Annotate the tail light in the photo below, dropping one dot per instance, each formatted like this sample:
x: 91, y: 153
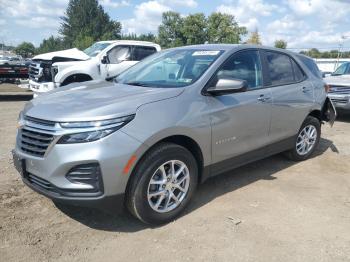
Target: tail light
x: 326, y: 88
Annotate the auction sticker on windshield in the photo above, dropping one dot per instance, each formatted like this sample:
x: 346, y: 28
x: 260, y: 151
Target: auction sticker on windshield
x: 200, y: 53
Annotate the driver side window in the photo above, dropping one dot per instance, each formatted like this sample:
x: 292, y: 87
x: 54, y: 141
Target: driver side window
x: 245, y: 65
x: 119, y: 54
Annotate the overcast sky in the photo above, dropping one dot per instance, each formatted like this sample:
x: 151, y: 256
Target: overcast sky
x: 302, y: 23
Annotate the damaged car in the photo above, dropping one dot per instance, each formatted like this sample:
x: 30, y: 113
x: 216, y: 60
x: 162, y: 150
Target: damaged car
x: 101, y: 60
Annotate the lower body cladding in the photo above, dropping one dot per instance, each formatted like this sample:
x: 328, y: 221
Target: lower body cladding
x: 340, y: 101
x: 85, y: 174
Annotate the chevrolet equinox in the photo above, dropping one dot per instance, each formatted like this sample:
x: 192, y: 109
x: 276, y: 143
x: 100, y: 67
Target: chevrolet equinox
x: 149, y: 136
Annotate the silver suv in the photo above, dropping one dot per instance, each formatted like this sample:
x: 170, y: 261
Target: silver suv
x: 147, y: 138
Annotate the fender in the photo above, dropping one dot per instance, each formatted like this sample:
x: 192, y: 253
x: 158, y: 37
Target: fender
x: 82, y: 67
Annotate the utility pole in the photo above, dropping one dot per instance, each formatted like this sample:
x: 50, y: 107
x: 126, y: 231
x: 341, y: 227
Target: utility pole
x: 3, y: 46
x: 343, y: 37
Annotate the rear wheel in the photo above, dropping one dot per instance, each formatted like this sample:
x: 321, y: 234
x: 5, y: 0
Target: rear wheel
x: 162, y: 184
x: 307, y: 140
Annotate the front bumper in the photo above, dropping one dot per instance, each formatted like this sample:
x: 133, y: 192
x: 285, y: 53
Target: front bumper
x: 47, y: 175
x: 341, y: 101
x: 39, y: 88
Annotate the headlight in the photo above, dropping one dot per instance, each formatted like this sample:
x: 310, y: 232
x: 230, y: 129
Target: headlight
x: 95, y: 130
x: 101, y: 123
x: 85, y: 137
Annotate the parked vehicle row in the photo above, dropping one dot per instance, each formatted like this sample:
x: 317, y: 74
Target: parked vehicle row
x: 102, y: 60
x: 178, y: 117
x: 13, y: 67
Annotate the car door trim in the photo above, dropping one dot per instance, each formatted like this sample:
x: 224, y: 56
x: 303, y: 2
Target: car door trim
x: 246, y: 158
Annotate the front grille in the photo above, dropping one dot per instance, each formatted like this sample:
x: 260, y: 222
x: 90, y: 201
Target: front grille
x: 35, y: 142
x: 39, y: 121
x: 340, y: 100
x: 40, y: 71
x: 40, y: 182
x: 339, y: 89
x: 35, y: 71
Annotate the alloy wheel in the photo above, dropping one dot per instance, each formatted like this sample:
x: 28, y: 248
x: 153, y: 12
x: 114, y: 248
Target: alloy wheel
x: 306, y: 140
x: 168, y: 186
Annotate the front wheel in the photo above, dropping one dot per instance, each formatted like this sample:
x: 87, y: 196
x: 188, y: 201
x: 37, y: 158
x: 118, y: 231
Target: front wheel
x: 162, y: 184
x: 307, y: 140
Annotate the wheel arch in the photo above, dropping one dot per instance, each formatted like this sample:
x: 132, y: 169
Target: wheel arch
x: 316, y: 113
x: 75, y: 78
x: 185, y: 141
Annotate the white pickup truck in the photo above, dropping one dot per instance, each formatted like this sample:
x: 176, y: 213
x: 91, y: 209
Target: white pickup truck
x: 100, y: 61
x: 339, y: 87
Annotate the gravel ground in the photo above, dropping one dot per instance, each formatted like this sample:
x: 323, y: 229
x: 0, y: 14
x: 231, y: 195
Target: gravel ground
x: 271, y: 210
x: 5, y: 87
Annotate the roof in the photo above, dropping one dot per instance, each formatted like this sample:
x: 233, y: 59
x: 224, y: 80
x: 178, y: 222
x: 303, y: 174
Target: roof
x: 227, y: 47
x: 129, y: 42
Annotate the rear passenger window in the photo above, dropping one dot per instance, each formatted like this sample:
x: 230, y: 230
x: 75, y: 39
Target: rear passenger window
x: 298, y: 73
x: 280, y: 68
x: 311, y: 65
x: 140, y: 52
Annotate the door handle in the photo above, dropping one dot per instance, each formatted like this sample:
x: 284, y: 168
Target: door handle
x: 263, y: 98
x: 305, y: 89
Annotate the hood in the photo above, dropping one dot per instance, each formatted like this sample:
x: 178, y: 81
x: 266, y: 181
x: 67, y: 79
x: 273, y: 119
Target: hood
x: 342, y: 80
x: 73, y: 53
x: 94, y: 100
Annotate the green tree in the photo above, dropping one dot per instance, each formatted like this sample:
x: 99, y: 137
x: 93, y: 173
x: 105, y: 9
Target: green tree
x: 25, y: 49
x: 254, y: 38
x: 222, y: 28
x: 170, y: 32
x: 142, y: 37
x: 85, y: 20
x: 315, y: 53
x: 50, y: 45
x: 281, y: 44
x: 83, y: 41
x: 195, y: 29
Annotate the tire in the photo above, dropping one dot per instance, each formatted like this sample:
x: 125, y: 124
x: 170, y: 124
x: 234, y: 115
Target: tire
x: 148, y: 179
x: 302, y: 150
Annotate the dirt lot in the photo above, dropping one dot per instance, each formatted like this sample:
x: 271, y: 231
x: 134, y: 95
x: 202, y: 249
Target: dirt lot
x: 272, y: 210
x: 12, y: 88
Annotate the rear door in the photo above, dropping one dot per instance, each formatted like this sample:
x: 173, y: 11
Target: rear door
x: 292, y: 94
x: 140, y: 52
x: 240, y: 121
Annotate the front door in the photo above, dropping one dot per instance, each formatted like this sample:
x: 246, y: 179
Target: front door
x: 240, y: 121
x: 119, y: 59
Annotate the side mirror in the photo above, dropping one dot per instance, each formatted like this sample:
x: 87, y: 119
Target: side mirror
x: 104, y: 60
x: 228, y: 86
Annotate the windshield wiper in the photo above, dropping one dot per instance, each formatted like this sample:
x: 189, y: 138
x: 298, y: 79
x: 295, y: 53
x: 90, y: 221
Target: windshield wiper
x: 137, y: 84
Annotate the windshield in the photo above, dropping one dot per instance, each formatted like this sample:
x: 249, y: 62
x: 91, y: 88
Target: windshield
x: 342, y: 70
x: 95, y: 49
x: 172, y: 68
